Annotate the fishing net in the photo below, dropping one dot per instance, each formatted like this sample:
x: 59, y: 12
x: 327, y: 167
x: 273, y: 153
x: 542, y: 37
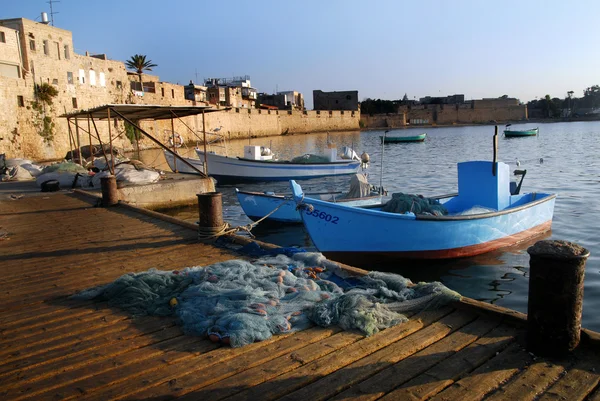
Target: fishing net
x: 417, y: 204
x: 66, y: 167
x: 237, y: 302
x: 309, y: 158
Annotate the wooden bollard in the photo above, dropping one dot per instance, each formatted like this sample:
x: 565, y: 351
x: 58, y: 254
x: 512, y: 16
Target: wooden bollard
x: 110, y: 195
x: 555, y: 301
x: 210, y: 213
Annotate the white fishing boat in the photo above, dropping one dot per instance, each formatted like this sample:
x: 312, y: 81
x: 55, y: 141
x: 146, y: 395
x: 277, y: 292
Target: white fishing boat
x: 258, y: 164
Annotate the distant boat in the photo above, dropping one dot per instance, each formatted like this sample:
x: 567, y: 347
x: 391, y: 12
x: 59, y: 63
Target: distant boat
x: 395, y: 139
x: 515, y: 133
x: 257, y: 205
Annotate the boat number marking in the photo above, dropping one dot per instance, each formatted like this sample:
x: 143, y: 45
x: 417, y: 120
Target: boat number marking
x: 324, y: 216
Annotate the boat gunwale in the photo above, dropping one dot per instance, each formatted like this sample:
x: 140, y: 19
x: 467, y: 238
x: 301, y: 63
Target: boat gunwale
x: 398, y: 216
x: 286, y: 162
x: 291, y: 197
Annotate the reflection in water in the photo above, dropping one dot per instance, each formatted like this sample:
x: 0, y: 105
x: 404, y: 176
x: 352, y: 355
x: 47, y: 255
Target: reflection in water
x: 570, y: 168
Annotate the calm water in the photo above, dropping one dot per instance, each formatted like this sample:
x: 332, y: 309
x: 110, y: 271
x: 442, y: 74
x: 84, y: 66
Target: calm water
x: 562, y: 159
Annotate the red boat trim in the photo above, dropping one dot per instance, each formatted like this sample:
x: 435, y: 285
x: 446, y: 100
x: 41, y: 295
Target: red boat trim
x: 453, y: 253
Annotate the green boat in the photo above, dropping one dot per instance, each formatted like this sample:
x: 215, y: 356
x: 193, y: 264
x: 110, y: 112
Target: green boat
x: 395, y: 139
x: 527, y: 132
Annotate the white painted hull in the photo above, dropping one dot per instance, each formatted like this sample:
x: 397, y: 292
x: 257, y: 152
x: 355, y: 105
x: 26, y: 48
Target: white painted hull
x: 225, y: 168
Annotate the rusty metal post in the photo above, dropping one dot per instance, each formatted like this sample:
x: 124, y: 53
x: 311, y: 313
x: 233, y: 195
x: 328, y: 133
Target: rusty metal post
x: 110, y: 195
x: 210, y: 213
x: 90, y: 137
x: 78, y: 142
x: 555, y: 300
x: 112, y: 153
x: 174, y: 147
x: 204, y: 140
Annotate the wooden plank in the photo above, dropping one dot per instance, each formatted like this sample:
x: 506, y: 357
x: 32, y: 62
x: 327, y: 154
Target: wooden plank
x: 309, y: 373
x: 579, y: 382
x: 96, y: 345
x: 249, y: 377
x: 52, y: 374
x: 83, y: 381
x: 530, y: 383
x: 61, y: 338
x: 443, y: 374
x: 138, y: 378
x: 288, y: 362
x: 487, y: 377
x: 366, y: 367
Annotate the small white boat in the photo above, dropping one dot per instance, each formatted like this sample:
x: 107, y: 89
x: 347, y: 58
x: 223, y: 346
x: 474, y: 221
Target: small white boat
x: 255, y: 166
x: 257, y: 205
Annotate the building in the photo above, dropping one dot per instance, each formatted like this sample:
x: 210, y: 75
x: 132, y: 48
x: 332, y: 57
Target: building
x: 286, y: 100
x: 347, y: 100
x: 36, y: 56
x: 231, y: 92
x: 195, y: 93
x: 453, y: 99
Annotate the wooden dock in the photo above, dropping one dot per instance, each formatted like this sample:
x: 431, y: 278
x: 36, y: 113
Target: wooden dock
x: 52, y: 348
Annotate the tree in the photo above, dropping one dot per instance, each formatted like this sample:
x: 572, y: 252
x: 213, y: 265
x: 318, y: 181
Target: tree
x: 139, y: 63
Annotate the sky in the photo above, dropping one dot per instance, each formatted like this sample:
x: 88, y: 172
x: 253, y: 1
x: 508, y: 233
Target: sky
x: 384, y: 49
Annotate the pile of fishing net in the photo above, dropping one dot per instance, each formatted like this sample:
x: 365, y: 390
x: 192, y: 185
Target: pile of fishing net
x: 68, y: 175
x: 417, y: 204
x: 18, y: 169
x: 237, y: 302
x: 310, y: 158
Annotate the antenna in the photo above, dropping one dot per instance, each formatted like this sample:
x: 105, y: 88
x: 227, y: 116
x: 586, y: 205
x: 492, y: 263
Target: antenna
x: 51, y: 10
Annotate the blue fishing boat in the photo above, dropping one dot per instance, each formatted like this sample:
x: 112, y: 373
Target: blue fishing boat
x: 483, y: 216
x: 516, y: 133
x: 282, y: 208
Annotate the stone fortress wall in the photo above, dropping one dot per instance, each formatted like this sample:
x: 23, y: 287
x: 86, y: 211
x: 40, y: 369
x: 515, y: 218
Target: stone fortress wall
x: 35, y: 53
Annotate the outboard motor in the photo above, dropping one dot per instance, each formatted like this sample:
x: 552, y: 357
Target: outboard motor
x: 348, y: 154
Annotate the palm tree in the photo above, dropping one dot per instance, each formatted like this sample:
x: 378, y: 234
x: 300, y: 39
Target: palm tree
x: 139, y: 63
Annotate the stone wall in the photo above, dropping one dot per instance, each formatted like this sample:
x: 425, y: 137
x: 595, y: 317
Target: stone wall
x: 87, y: 81
x: 475, y: 112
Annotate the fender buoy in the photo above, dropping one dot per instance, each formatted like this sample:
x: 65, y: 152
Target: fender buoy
x: 176, y: 140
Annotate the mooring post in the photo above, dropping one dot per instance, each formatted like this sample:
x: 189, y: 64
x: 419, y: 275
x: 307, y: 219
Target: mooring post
x: 110, y: 196
x: 210, y: 213
x: 555, y: 301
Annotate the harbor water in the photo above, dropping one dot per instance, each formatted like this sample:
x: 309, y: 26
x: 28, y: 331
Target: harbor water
x: 562, y: 159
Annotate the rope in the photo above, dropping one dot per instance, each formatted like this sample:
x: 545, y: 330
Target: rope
x: 209, y: 233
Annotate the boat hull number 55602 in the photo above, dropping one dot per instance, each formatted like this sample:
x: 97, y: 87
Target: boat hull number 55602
x: 324, y: 216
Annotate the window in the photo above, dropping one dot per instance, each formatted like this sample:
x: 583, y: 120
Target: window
x: 70, y: 78
x: 173, y: 93
x: 57, y: 49
x: 119, y: 85
x: 46, y: 48
x: 55, y: 81
x: 2, y: 37
x: 81, y: 77
x: 32, y: 44
x: 74, y: 100
x: 20, y: 101
x: 67, y: 55
x: 162, y: 91
x: 92, y: 77
x: 102, y: 79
